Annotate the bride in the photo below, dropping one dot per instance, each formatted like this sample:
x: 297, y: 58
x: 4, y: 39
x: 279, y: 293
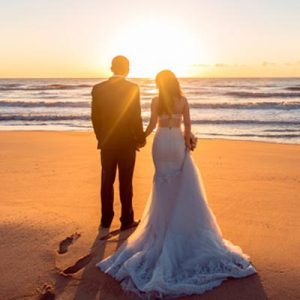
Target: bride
x: 177, y: 249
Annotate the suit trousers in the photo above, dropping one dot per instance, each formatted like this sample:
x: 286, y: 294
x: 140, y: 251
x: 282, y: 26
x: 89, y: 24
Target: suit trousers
x: 124, y: 161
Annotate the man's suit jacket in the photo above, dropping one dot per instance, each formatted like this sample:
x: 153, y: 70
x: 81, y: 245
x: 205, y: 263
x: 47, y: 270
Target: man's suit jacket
x: 116, y: 114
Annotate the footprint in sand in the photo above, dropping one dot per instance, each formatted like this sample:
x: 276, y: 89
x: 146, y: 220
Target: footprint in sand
x: 46, y: 293
x: 64, y: 244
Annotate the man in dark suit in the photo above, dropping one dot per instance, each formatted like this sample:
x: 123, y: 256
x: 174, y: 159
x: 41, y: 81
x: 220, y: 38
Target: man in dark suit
x: 117, y: 122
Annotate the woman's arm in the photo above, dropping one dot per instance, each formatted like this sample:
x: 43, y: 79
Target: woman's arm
x: 187, y: 124
x: 153, y: 119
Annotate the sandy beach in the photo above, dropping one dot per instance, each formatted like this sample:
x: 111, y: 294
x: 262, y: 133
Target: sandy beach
x: 50, y: 190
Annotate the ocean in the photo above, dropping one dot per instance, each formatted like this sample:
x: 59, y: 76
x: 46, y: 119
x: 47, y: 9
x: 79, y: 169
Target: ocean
x: 244, y: 109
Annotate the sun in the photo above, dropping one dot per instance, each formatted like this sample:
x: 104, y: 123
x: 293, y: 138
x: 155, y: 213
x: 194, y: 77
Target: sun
x: 156, y: 45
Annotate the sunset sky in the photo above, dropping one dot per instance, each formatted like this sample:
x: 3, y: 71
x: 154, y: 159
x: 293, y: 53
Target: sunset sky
x: 206, y: 38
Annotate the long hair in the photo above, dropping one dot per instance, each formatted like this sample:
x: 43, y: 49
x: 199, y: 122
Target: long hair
x: 169, y: 91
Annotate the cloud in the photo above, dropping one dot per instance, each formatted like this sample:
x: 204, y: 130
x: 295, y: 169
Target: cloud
x: 221, y: 65
x: 264, y: 64
x: 292, y: 64
x: 201, y: 65
x: 268, y: 64
x: 218, y: 65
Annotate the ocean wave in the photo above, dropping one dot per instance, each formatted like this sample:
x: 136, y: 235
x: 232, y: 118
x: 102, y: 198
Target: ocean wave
x: 10, y: 85
x: 284, y: 105
x: 146, y: 105
x: 240, y: 94
x: 32, y: 117
x: 293, y: 88
x: 271, y: 136
x: 17, y: 87
x: 282, y: 130
x: 234, y: 86
x: 78, y: 104
x: 247, y: 105
x: 247, y: 122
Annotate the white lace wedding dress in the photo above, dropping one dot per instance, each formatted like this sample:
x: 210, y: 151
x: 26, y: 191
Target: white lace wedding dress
x: 177, y: 249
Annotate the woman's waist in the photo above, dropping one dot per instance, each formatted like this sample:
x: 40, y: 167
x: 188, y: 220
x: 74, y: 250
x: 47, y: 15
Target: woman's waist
x: 174, y: 128
x: 169, y: 131
x: 169, y: 123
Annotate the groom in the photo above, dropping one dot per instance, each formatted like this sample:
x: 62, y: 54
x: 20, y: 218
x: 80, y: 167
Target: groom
x: 117, y: 122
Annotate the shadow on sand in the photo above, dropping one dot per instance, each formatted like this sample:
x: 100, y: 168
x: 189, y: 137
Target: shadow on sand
x: 94, y: 284
x: 249, y: 288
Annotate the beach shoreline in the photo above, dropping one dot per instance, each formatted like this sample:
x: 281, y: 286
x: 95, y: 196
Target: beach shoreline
x: 50, y: 190
x: 199, y: 137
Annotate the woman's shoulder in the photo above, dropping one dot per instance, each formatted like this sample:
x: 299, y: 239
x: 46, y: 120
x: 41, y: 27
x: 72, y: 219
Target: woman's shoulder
x: 183, y: 99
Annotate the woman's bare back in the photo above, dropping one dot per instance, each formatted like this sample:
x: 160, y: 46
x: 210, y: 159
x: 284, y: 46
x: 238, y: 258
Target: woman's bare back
x: 175, y: 119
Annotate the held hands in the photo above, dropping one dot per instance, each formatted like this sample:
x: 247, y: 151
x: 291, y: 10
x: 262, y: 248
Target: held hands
x: 190, y: 141
x: 140, y: 145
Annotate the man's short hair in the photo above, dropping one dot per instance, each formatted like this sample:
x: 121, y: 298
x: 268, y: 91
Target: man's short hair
x: 120, y: 65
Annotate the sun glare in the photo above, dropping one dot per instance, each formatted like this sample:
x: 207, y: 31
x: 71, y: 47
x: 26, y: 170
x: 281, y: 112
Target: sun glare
x: 153, y: 46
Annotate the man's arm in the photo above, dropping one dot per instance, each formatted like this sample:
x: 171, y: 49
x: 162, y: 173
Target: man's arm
x: 95, y: 116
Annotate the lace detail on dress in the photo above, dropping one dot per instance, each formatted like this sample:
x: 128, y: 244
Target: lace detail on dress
x: 149, y: 283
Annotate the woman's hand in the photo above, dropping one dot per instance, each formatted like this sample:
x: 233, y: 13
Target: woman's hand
x: 194, y: 141
x: 190, y: 141
x: 140, y: 145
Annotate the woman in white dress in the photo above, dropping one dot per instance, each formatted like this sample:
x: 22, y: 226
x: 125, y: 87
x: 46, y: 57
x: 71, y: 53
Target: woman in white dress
x: 177, y: 249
